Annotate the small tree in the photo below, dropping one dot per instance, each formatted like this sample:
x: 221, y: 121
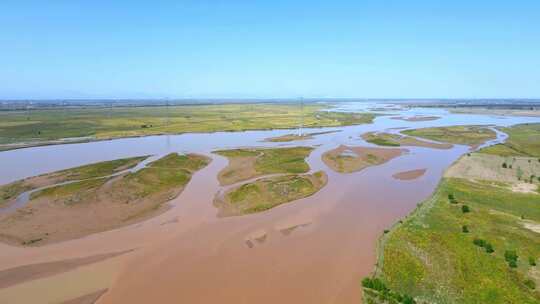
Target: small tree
x: 532, y: 261
x: 511, y: 257
x: 519, y: 173
x: 504, y: 165
x: 465, y: 229
x: 465, y: 209
x: 479, y: 242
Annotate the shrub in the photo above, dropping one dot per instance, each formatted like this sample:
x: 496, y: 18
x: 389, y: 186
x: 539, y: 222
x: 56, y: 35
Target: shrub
x: 386, y: 231
x: 519, y: 173
x: 532, y: 261
x: 384, y: 294
x: 479, y: 242
x: 511, y: 257
x: 504, y: 165
x: 465, y: 209
x: 530, y: 283
x: 465, y: 229
x: 489, y: 248
x: 451, y: 197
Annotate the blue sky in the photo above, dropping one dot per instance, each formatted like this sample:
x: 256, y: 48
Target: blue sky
x: 270, y: 49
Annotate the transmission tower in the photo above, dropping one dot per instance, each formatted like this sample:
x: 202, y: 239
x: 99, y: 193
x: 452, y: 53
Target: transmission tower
x: 301, y: 126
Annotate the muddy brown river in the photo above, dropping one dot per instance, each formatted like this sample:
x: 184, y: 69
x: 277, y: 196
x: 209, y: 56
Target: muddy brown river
x: 313, y: 250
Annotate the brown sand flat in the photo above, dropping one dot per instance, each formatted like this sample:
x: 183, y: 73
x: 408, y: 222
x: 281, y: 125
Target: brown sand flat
x: 347, y: 159
x: 90, y: 298
x: 239, y: 169
x: 409, y: 175
x: 21, y: 274
x: 416, y: 118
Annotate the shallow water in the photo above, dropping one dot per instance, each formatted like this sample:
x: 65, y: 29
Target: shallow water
x: 314, y: 250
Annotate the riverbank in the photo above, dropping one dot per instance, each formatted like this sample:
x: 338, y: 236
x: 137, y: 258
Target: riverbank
x: 477, y: 227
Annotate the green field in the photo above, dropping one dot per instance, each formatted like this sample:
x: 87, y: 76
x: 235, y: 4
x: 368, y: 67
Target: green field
x: 25, y: 128
x: 473, y: 241
x: 462, y: 135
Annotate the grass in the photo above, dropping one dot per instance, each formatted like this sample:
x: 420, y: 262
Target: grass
x: 99, y: 169
x: 40, y: 126
x: 431, y: 258
x: 284, y: 160
x: 441, y: 254
x: 170, y: 172
x: 463, y: 135
x: 267, y: 193
x: 72, y: 193
x: 524, y: 140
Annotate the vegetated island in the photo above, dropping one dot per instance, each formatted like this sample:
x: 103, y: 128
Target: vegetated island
x: 396, y: 140
x: 416, y: 118
x: 249, y: 163
x: 476, y: 240
x: 34, y: 127
x: 295, y: 137
x: 71, y: 210
x: 472, y: 136
x: 284, y: 179
x: 266, y: 193
x: 347, y: 159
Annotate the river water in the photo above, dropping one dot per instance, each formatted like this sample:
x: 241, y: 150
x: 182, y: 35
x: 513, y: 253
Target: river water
x: 314, y: 250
